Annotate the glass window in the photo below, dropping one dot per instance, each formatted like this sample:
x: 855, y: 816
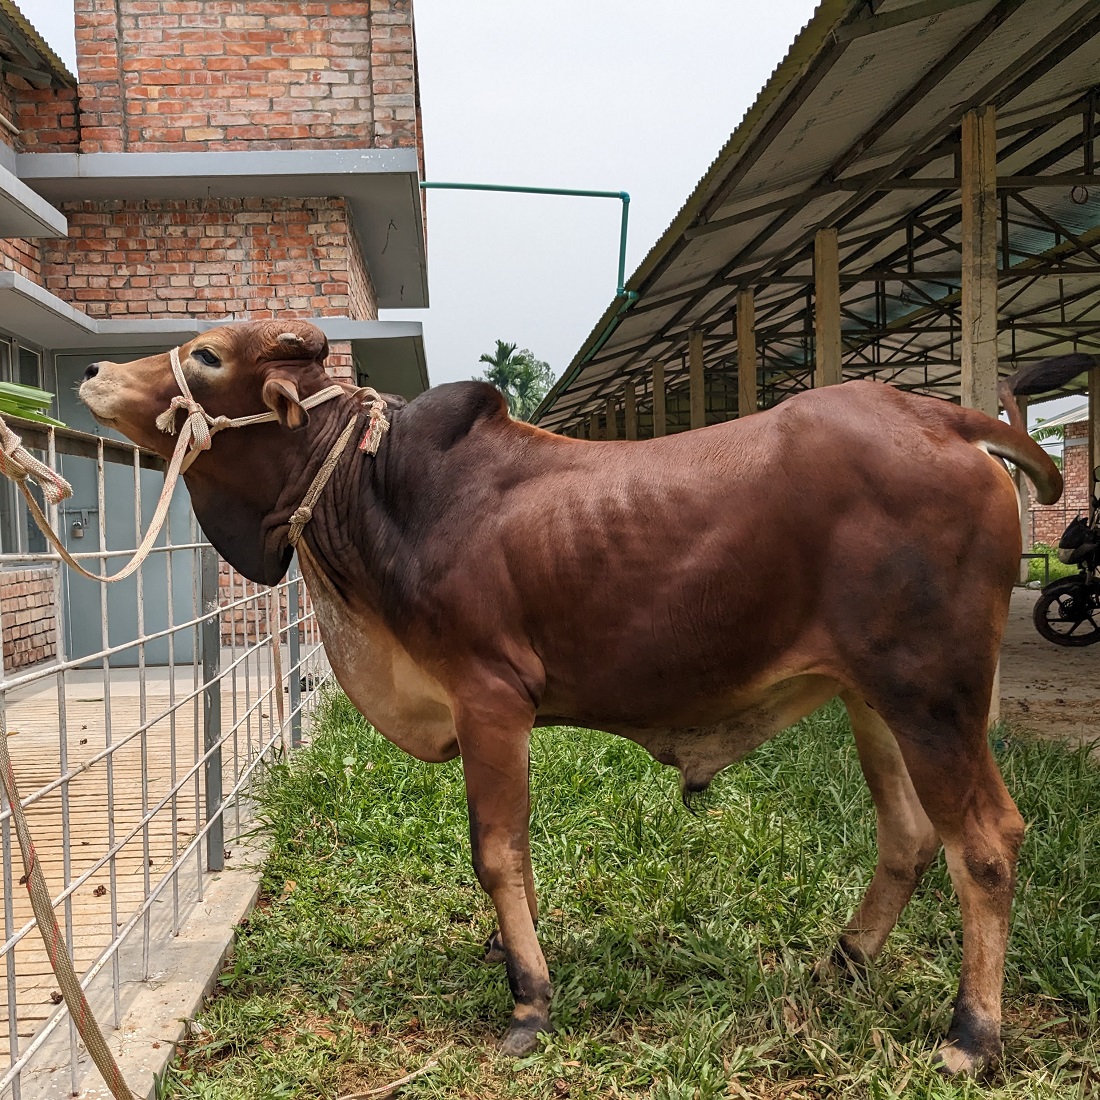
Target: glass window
x: 30, y: 368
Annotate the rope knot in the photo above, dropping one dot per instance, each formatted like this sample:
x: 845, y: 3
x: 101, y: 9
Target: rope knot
x: 301, y: 516
x: 378, y: 424
x: 17, y: 463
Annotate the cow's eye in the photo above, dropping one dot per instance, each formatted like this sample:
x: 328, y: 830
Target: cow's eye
x: 205, y: 355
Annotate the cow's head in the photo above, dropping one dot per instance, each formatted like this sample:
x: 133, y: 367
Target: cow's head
x: 243, y: 488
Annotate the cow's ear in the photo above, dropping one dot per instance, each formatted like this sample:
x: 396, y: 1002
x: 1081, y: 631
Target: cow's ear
x: 281, y: 397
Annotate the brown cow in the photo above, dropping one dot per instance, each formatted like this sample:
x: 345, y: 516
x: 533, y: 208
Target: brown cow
x: 696, y: 594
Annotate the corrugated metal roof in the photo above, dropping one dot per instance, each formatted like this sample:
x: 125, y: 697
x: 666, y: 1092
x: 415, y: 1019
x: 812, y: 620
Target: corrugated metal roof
x: 859, y: 100
x: 48, y: 60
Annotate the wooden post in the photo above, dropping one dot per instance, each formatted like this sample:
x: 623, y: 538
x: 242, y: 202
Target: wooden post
x: 746, y: 354
x: 1094, y: 432
x: 1023, y: 493
x: 630, y: 412
x: 660, y: 422
x: 828, y: 369
x: 978, y: 387
x: 593, y: 427
x: 696, y: 389
x: 612, y: 420
x: 979, y: 259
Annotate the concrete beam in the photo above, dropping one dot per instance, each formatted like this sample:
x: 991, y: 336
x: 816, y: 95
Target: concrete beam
x: 828, y: 370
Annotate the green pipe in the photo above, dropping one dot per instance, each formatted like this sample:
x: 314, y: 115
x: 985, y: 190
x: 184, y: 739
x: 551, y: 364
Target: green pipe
x: 622, y: 196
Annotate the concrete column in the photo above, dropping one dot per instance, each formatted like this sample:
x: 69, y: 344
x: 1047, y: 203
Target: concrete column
x: 979, y: 260
x: 828, y: 370
x: 612, y: 419
x: 630, y: 412
x: 696, y: 389
x: 746, y: 354
x: 593, y: 427
x: 660, y: 421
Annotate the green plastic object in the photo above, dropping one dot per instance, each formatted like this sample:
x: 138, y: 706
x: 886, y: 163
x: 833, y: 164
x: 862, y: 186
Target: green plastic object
x: 27, y: 402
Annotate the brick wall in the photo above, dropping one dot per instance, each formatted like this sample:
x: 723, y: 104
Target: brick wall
x: 209, y: 258
x: 170, y: 75
x: 27, y: 616
x: 1048, y: 521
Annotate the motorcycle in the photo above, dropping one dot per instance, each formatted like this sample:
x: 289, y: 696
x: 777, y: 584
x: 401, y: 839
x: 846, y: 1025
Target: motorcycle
x: 1068, y: 610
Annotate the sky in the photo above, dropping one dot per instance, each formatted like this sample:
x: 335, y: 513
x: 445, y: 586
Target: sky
x: 617, y: 95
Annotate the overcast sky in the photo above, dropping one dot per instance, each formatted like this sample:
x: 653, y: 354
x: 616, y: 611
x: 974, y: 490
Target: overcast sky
x: 618, y: 95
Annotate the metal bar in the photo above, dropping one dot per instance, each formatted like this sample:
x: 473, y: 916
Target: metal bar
x: 572, y: 192
x: 294, y: 611
x: 212, y: 710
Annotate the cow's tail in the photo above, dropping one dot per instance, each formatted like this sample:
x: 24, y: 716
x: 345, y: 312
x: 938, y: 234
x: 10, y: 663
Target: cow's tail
x: 1014, y: 443
x: 1011, y: 441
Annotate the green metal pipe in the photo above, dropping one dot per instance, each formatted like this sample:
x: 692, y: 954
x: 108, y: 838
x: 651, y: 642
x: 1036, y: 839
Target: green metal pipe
x: 622, y: 196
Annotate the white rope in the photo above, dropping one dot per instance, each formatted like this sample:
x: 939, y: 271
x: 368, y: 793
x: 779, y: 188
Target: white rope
x: 196, y: 434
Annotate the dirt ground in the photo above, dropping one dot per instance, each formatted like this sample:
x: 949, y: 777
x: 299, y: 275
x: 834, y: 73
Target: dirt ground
x: 1045, y: 688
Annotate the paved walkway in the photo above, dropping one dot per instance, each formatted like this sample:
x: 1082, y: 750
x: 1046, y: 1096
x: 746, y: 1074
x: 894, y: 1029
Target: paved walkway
x: 1045, y: 688
x: 105, y: 804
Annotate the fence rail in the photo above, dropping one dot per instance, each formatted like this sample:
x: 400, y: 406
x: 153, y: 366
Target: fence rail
x: 137, y: 742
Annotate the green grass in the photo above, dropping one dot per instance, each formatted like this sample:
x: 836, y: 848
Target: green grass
x: 1058, y: 570
x: 680, y: 945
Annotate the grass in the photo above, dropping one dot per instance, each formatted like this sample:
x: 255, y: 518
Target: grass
x: 680, y: 945
x: 1058, y: 570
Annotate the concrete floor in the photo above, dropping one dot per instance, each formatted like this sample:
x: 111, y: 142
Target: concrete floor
x: 1047, y: 689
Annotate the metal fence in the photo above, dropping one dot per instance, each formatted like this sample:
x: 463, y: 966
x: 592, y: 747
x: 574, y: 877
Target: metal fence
x: 139, y: 717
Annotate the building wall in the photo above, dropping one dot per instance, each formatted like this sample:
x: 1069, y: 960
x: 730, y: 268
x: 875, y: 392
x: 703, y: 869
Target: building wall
x: 210, y: 258
x: 172, y: 75
x: 1048, y: 521
x: 27, y: 616
x: 207, y: 75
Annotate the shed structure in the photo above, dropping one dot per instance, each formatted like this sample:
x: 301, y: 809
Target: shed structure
x: 913, y: 198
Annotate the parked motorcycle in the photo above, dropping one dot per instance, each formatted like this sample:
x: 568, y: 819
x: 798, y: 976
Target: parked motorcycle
x: 1068, y: 611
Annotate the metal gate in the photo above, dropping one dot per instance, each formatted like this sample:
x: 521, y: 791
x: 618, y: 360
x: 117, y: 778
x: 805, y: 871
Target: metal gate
x: 138, y: 755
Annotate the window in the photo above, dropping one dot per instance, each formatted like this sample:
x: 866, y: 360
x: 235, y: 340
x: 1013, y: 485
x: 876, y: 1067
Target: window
x: 18, y: 531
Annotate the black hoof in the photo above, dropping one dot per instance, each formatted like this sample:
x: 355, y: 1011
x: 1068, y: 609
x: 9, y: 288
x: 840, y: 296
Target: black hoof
x: 846, y: 963
x: 494, y: 949
x: 522, y: 1037
x: 972, y: 1047
x: 955, y: 1060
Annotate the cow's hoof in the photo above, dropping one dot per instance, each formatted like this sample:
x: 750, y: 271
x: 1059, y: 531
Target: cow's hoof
x: 522, y: 1037
x: 958, y: 1059
x: 494, y: 949
x: 846, y: 963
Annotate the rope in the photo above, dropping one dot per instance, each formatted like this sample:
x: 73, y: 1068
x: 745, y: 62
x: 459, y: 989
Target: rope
x: 196, y: 434
x: 42, y: 906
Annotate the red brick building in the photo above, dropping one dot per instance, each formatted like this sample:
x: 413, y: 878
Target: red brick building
x: 1047, y: 522
x: 216, y: 160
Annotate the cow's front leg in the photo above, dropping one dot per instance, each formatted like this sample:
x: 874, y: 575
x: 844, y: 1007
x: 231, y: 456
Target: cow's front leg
x: 494, y: 759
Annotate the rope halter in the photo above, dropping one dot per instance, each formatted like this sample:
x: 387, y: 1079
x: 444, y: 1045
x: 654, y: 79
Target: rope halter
x: 196, y: 434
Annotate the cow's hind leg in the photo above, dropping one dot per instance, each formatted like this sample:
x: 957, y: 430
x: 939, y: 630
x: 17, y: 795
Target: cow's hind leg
x: 961, y: 790
x: 494, y: 760
x: 494, y: 945
x: 907, y: 841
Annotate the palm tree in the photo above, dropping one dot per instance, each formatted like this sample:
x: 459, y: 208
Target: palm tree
x: 503, y: 368
x: 523, y: 379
